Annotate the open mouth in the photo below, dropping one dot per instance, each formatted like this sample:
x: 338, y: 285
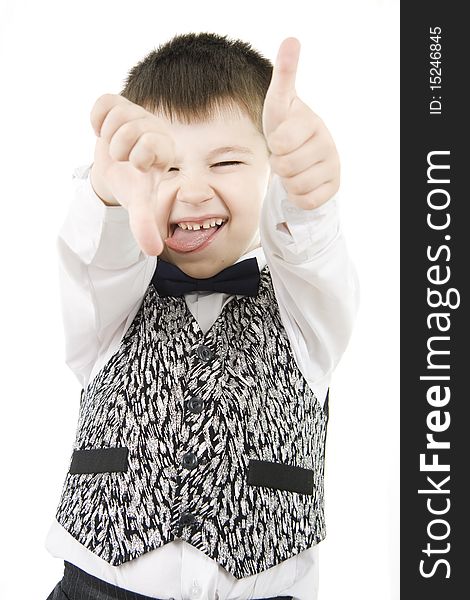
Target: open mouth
x: 173, y: 227
x: 189, y: 240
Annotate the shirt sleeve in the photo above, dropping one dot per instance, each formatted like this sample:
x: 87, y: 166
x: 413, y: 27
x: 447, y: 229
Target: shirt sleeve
x: 315, y: 281
x: 103, y: 274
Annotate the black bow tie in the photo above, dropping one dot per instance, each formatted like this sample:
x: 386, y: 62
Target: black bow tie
x: 241, y: 278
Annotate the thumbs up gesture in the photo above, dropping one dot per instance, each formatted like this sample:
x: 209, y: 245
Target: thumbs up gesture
x: 303, y: 152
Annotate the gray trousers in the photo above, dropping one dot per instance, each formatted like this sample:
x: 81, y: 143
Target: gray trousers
x: 79, y: 585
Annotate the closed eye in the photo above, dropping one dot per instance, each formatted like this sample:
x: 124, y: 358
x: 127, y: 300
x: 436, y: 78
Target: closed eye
x: 227, y: 163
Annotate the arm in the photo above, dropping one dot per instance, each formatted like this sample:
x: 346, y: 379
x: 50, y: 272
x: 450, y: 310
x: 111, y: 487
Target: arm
x: 315, y: 282
x: 103, y: 274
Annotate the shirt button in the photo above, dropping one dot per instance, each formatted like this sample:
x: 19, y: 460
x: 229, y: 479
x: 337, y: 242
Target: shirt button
x: 204, y: 353
x: 187, y: 519
x: 195, y: 405
x: 189, y: 460
x: 196, y: 590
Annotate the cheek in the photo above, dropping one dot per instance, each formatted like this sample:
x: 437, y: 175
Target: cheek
x: 246, y: 215
x: 254, y: 185
x: 253, y: 196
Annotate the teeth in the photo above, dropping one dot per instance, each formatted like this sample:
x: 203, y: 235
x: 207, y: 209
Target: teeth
x: 205, y: 225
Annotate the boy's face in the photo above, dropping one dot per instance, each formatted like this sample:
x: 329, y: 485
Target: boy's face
x: 221, y: 170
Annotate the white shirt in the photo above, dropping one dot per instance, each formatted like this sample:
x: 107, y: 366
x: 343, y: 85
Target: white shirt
x: 103, y: 278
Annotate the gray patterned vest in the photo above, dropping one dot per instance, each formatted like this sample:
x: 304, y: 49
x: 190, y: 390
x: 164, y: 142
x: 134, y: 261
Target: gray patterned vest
x: 214, y: 438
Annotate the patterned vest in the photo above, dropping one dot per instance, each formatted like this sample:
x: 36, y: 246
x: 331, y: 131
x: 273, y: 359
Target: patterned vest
x: 214, y: 438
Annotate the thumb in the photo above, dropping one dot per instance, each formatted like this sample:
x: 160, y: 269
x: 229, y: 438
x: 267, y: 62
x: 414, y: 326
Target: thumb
x: 144, y: 228
x: 281, y: 91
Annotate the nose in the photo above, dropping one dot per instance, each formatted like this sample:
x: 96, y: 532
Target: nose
x: 194, y: 190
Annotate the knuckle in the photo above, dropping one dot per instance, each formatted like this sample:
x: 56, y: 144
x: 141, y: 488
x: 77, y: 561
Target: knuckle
x: 288, y: 165
x: 127, y: 133
x: 119, y: 111
x: 109, y: 98
x: 140, y: 156
x: 116, y: 153
x: 283, y: 166
x: 161, y: 147
x: 105, y: 102
x: 117, y: 150
x: 277, y: 144
x: 296, y: 185
x: 334, y: 186
x: 289, y: 137
x: 147, y: 140
x: 323, y: 193
x: 316, y: 121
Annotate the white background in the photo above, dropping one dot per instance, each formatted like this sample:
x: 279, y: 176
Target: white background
x: 56, y: 59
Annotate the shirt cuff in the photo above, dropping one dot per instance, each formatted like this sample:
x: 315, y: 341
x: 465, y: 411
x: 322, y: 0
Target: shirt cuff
x: 112, y: 214
x: 296, y: 234
x: 97, y: 233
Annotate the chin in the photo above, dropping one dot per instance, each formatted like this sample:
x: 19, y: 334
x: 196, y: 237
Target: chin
x: 201, y: 271
x: 197, y: 266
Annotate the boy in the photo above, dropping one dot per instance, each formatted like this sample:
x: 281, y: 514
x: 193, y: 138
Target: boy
x: 207, y: 297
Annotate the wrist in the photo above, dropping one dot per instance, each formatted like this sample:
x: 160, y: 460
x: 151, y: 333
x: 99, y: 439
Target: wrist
x: 100, y: 189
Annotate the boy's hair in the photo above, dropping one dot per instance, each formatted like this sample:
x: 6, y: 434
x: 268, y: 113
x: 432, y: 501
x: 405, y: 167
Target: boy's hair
x: 194, y: 75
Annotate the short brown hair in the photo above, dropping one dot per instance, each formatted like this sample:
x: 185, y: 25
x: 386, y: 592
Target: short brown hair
x: 194, y: 75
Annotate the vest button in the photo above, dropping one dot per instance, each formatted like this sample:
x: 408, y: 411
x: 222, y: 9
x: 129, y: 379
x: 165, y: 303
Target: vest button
x: 204, y: 353
x: 189, y: 460
x: 195, y: 405
x: 187, y: 519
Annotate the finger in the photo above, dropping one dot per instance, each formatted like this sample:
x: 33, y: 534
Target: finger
x: 285, y: 69
x: 281, y: 92
x: 101, y: 108
x: 317, y: 197
x: 309, y: 180
x: 294, y: 131
x: 127, y: 136
x: 310, y: 153
x: 153, y: 149
x: 118, y: 116
x: 144, y: 227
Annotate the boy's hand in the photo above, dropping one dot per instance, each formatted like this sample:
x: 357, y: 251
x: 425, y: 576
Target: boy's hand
x: 303, y: 152
x: 132, y: 152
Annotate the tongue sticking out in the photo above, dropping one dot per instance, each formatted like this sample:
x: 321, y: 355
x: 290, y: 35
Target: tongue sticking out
x: 185, y: 240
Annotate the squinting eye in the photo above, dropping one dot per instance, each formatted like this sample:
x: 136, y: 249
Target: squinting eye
x: 173, y: 169
x: 227, y: 163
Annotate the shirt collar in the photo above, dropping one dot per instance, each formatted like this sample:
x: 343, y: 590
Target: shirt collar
x: 257, y: 253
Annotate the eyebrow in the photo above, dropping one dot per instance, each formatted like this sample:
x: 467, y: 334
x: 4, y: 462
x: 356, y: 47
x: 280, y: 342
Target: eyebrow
x: 225, y: 149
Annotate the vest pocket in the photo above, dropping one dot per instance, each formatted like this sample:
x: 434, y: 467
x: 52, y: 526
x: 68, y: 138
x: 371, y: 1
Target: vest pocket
x: 99, y: 460
x: 280, y: 476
